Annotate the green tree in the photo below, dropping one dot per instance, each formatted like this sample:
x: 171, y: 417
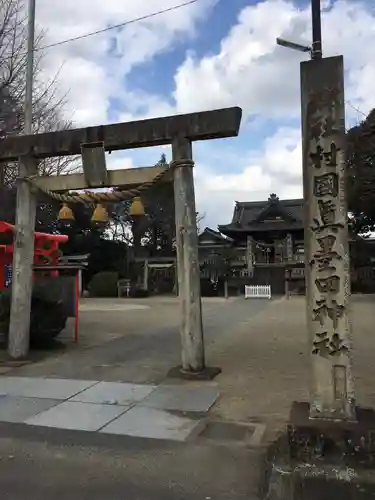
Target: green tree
x: 361, y: 175
x: 156, y: 230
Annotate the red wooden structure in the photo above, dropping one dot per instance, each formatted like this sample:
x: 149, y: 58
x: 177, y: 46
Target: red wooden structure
x: 46, y: 249
x: 46, y: 254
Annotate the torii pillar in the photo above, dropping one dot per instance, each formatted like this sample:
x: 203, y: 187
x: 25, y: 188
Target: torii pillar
x: 92, y: 142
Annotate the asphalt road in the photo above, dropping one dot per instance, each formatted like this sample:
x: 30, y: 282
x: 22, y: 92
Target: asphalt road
x: 64, y: 465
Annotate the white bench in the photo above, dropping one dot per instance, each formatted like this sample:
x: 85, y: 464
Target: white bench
x: 257, y: 291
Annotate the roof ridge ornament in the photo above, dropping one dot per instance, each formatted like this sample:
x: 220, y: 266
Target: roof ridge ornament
x: 273, y: 197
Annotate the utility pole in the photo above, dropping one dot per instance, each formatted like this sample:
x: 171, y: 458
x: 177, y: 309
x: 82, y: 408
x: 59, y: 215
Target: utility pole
x: 327, y: 267
x: 18, y: 343
x: 316, y: 17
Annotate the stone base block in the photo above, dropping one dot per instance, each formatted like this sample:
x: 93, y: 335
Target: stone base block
x: 318, y: 482
x: 317, y: 459
x: 327, y: 439
x: 208, y: 373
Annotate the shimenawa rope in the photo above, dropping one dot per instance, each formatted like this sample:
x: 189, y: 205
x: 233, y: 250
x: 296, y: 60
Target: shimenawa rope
x: 112, y: 196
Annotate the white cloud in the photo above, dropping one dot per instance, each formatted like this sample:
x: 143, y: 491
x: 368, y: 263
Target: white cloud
x: 117, y: 161
x: 94, y: 68
x: 143, y: 105
x: 260, y: 174
x: 248, y: 69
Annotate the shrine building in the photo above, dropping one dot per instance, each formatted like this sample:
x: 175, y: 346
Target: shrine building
x: 267, y: 241
x: 269, y: 238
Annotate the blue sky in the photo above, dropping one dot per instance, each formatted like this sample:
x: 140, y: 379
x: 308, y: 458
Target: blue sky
x: 213, y: 54
x: 207, y: 40
x: 156, y: 76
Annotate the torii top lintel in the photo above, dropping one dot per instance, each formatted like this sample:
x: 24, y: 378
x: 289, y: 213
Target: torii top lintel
x: 216, y: 124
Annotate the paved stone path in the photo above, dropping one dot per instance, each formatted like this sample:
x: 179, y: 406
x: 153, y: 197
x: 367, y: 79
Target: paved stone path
x: 261, y: 347
x: 139, y: 345
x: 109, y: 407
x: 265, y: 363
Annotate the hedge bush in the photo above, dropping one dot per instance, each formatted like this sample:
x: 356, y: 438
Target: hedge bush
x: 104, y: 284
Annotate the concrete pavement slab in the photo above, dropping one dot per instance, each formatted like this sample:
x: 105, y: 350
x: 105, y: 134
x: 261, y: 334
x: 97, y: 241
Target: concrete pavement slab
x: 184, y: 397
x: 18, y: 409
x: 53, y: 388
x: 151, y: 423
x: 79, y: 416
x: 114, y: 393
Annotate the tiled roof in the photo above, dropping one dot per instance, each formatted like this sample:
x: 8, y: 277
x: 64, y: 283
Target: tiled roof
x: 248, y: 215
x: 215, y: 234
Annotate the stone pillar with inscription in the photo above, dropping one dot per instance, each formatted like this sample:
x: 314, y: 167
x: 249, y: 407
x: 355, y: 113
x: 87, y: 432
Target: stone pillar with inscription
x: 249, y: 256
x: 326, y: 239
x: 289, y: 248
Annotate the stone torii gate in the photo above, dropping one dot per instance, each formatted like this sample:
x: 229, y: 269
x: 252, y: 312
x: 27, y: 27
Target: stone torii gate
x: 92, y: 143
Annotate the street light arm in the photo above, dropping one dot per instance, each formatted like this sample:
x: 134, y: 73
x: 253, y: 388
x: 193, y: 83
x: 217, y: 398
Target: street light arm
x: 293, y: 45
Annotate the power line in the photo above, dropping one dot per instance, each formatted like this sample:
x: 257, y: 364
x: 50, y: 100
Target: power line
x: 115, y: 26
x: 109, y: 28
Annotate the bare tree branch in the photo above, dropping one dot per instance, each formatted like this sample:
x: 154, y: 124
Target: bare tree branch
x: 200, y: 218
x: 47, y: 105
